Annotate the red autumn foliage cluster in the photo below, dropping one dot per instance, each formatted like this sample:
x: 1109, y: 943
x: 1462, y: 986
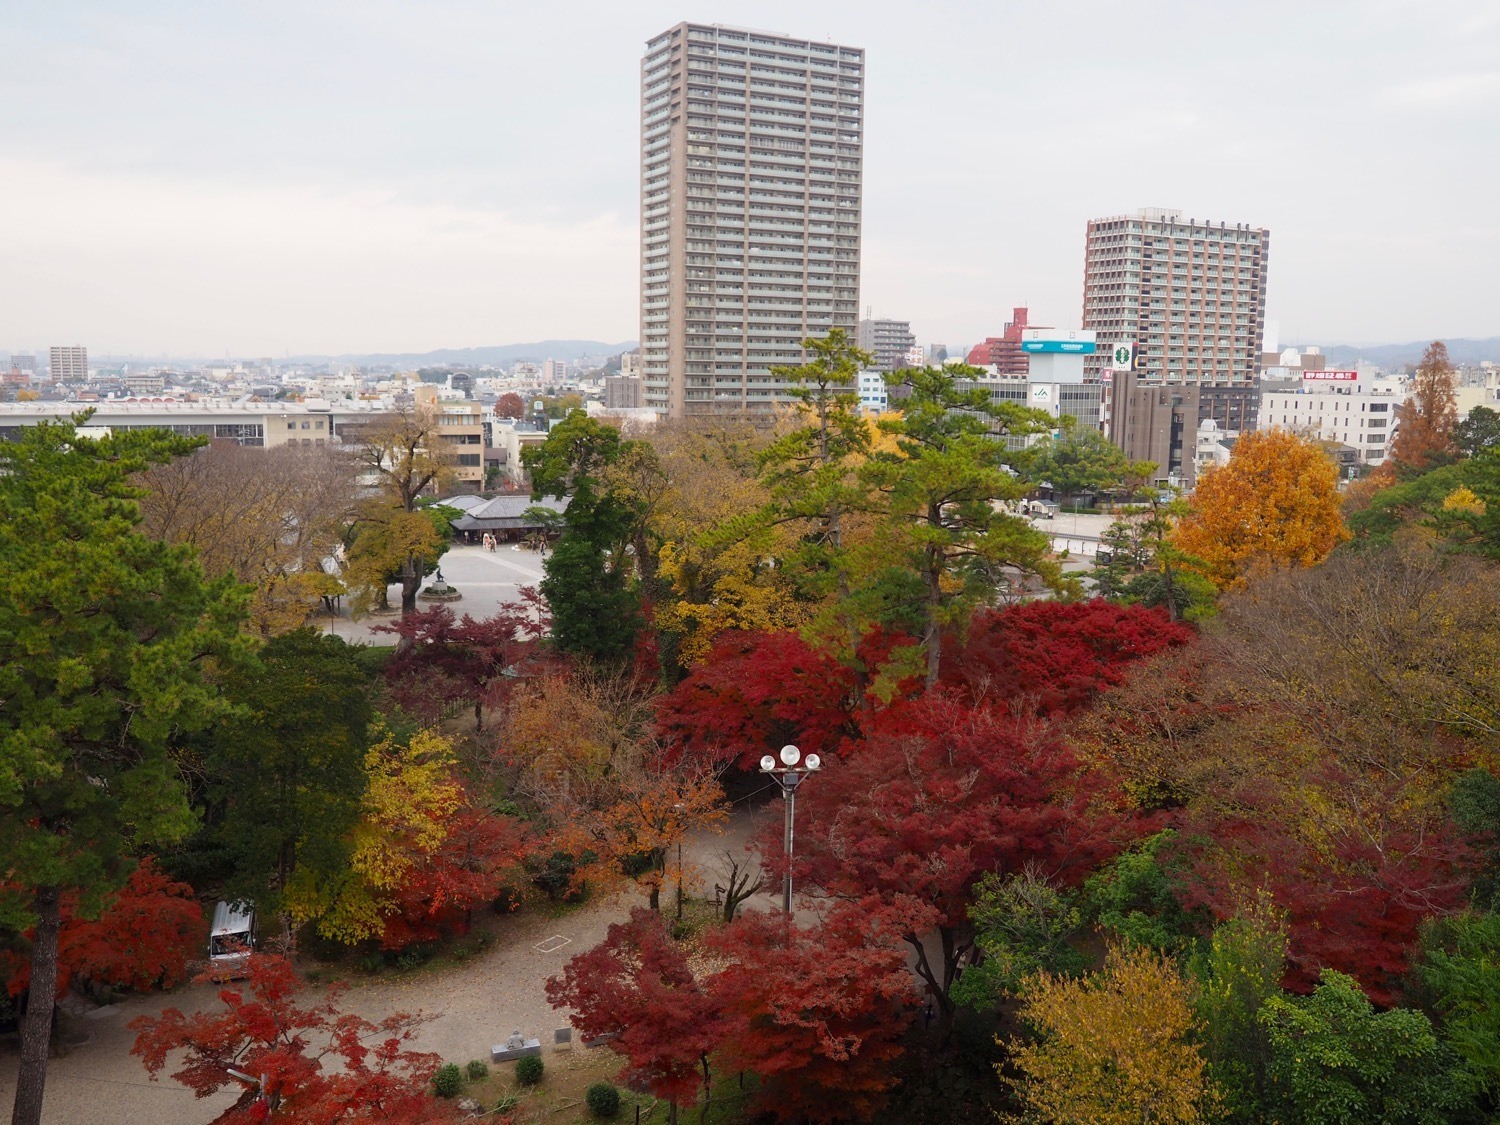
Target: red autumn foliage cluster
x: 1055, y: 657
x: 442, y: 661
x: 1355, y: 905
x: 481, y: 853
x: 816, y: 1012
x: 754, y: 694
x: 312, y: 1063
x: 939, y: 792
x: 760, y: 691
x: 145, y: 937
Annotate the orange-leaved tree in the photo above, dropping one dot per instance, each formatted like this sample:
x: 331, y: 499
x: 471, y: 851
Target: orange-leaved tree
x: 1429, y: 416
x: 1277, y: 500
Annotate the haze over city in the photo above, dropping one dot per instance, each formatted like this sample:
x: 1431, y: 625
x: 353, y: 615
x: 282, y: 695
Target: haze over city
x: 197, y: 180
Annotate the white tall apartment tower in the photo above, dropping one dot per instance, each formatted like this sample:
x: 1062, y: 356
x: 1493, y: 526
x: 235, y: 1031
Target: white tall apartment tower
x: 1191, y: 295
x: 750, y: 202
x: 69, y: 364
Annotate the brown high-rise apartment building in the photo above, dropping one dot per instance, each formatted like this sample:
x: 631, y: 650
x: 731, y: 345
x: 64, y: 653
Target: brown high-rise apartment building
x: 750, y: 211
x: 1190, y: 295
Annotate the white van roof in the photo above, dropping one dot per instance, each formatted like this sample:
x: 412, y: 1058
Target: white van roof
x: 232, y: 918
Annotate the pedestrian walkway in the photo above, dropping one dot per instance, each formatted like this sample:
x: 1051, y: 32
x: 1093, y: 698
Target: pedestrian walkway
x: 486, y: 579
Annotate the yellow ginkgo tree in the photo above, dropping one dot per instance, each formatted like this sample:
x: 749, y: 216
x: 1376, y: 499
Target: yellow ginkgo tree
x: 411, y: 797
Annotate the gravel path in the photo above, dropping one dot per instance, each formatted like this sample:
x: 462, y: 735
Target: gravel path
x: 474, y: 1005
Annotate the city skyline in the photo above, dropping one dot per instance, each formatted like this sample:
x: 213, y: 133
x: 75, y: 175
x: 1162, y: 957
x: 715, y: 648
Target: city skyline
x: 194, y: 182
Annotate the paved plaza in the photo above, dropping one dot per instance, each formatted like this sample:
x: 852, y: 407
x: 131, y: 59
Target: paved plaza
x: 487, y: 580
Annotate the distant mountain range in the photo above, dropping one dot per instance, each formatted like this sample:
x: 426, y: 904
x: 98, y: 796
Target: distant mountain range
x: 1461, y: 352
x: 497, y: 355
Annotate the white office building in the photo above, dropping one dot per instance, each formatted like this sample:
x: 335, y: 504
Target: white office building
x: 872, y: 392
x: 1356, y: 408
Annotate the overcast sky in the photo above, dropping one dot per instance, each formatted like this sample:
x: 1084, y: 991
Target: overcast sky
x: 261, y: 178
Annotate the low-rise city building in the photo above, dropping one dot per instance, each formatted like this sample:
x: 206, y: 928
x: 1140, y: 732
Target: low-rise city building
x: 1355, y: 408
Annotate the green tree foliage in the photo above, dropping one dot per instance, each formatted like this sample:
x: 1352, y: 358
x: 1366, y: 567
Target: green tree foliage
x: 1023, y: 925
x: 941, y: 493
x: 1462, y: 972
x: 107, y: 643
x: 1479, y: 431
x: 1237, y: 970
x: 289, y: 775
x: 1460, y: 503
x: 1078, y: 459
x: 1145, y: 567
x: 1335, y: 1060
x: 595, y: 608
x: 1474, y: 805
x: 811, y: 472
x: 1136, y: 898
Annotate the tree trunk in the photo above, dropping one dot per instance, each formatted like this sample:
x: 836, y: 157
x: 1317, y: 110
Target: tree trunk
x: 932, y: 630
x: 411, y: 582
x: 36, y: 1029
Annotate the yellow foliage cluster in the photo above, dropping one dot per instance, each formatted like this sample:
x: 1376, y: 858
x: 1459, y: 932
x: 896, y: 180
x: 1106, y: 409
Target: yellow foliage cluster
x: 1115, y: 1047
x: 1277, y: 501
x: 716, y: 562
x: 1464, y: 499
x: 411, y: 792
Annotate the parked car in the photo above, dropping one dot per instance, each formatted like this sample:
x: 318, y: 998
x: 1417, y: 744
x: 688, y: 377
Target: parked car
x: 1038, y: 509
x: 231, y: 939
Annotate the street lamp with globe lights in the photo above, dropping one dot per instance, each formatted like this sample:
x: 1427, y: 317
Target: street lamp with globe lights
x: 789, y: 775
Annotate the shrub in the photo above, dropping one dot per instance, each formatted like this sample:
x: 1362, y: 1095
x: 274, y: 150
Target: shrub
x: 507, y: 900
x: 477, y: 1070
x: 529, y: 1070
x: 507, y: 1103
x: 448, y: 1082
x: 603, y: 1100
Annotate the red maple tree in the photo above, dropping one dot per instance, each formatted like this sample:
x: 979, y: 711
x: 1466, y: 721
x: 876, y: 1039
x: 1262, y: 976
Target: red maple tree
x: 938, y: 793
x: 481, y: 853
x: 638, y: 988
x: 1354, y: 898
x: 1054, y: 657
x: 144, y: 938
x: 756, y: 692
x: 442, y: 661
x: 817, y: 1012
x: 283, y: 1048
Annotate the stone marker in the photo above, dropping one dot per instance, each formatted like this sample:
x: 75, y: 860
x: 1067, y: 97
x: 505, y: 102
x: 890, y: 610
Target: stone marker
x: 516, y: 1047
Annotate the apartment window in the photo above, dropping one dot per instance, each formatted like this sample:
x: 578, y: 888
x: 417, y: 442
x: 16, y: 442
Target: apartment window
x: 291, y: 425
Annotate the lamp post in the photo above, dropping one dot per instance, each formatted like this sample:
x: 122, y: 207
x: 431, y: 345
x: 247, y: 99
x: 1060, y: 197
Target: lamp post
x: 789, y: 775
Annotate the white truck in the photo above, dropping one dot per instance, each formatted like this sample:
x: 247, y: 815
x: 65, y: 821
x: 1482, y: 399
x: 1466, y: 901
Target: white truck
x: 231, y: 939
